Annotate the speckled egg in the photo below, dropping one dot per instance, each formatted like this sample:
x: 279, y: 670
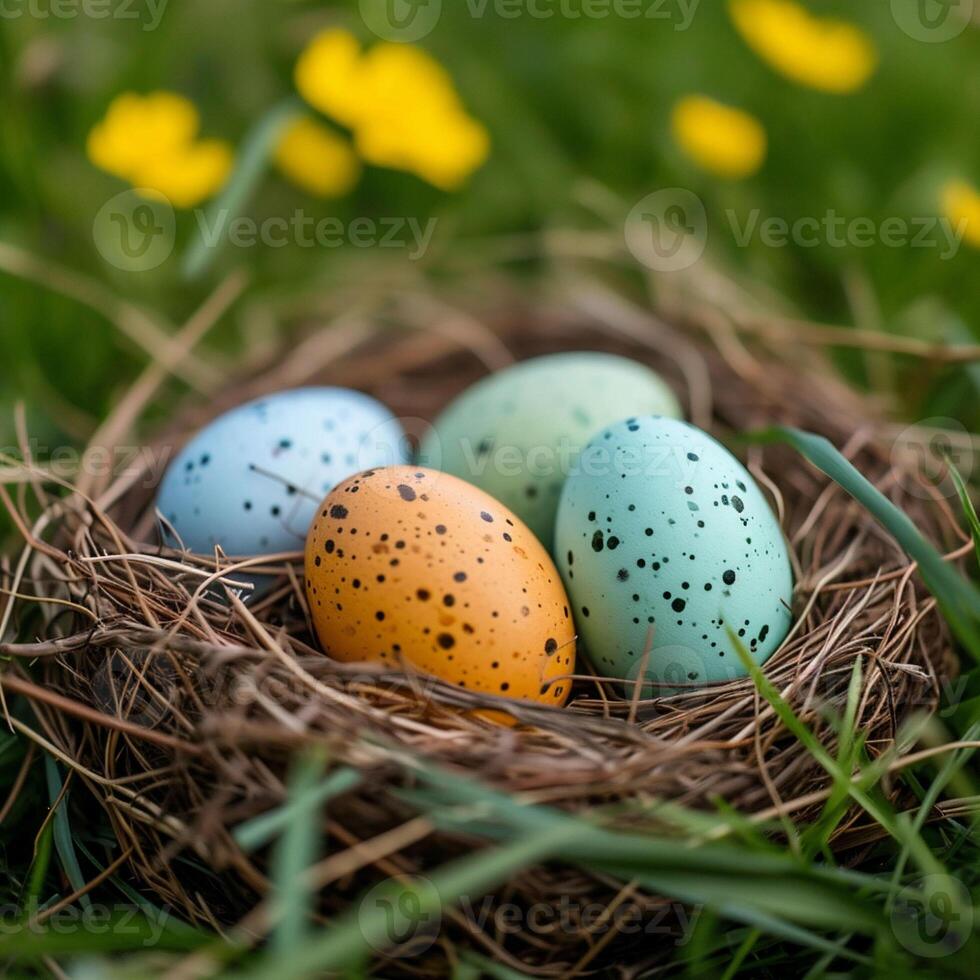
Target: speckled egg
x: 665, y: 542
x: 250, y: 482
x: 517, y: 433
x: 408, y: 565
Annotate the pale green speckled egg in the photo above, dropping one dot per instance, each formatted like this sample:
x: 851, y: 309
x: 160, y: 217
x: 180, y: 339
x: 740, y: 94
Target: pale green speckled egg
x: 666, y: 542
x: 517, y: 434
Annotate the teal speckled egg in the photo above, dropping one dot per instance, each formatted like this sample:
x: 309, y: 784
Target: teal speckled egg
x: 666, y: 542
x: 517, y: 433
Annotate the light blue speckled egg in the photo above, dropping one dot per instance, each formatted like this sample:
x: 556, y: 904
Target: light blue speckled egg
x: 250, y: 482
x: 666, y: 542
x: 517, y: 433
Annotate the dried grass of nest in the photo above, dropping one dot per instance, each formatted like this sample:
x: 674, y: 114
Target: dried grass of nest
x: 180, y: 714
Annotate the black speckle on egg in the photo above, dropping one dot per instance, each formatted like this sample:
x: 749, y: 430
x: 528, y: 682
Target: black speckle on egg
x: 338, y: 512
x: 598, y: 542
x: 406, y: 492
x: 486, y: 517
x: 728, y: 577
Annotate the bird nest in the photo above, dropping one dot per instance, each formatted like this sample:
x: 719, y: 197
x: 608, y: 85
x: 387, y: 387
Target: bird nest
x: 181, y: 713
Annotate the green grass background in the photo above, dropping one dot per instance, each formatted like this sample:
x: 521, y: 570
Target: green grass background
x: 570, y: 104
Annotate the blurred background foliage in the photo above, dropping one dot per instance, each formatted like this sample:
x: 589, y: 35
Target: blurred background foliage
x: 570, y: 103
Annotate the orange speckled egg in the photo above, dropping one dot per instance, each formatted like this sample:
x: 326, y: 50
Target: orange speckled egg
x: 408, y: 564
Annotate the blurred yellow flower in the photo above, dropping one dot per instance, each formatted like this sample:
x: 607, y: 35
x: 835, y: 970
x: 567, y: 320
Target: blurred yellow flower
x: 151, y: 142
x: 317, y: 159
x: 719, y: 138
x: 325, y: 75
x: 961, y: 202
x: 826, y: 54
x: 400, y: 104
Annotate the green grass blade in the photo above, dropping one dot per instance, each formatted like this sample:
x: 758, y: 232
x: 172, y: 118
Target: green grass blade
x: 969, y: 511
x: 253, y: 834
x: 31, y: 898
x: 253, y: 157
x: 958, y: 598
x: 63, y: 839
x: 295, y: 853
x: 366, y: 928
x: 877, y: 808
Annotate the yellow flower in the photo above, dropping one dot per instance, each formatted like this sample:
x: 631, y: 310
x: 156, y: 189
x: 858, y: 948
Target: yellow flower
x: 400, y: 104
x: 151, y: 142
x: 317, y: 159
x: 326, y: 75
x: 190, y: 174
x: 719, y: 138
x: 961, y: 202
x: 824, y: 53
